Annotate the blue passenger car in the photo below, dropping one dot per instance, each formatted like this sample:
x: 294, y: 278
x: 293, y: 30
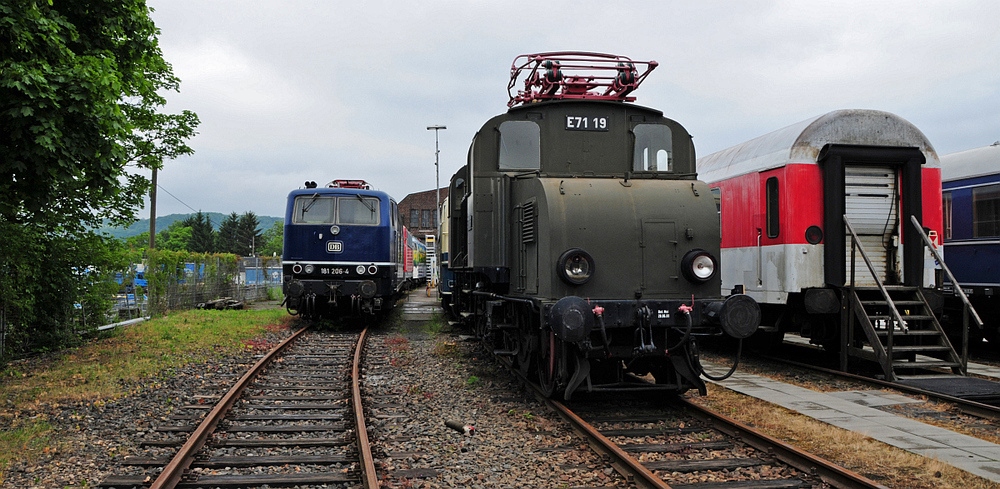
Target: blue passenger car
x: 971, y: 193
x: 342, y: 251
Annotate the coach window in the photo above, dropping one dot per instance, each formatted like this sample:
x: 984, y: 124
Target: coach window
x: 947, y: 215
x: 986, y: 211
x: 772, y: 207
x: 358, y: 210
x: 313, y: 209
x: 519, y: 146
x: 653, y: 148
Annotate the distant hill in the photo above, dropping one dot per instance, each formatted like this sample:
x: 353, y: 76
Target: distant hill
x: 163, y: 222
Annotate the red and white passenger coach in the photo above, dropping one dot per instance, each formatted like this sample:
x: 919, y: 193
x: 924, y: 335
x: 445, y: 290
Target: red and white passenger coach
x: 782, y: 201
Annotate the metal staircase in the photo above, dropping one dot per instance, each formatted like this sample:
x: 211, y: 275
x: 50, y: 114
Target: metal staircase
x: 900, y: 331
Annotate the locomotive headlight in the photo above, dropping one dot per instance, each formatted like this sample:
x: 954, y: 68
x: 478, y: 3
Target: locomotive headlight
x: 309, y: 269
x: 372, y: 269
x: 575, y: 266
x: 698, y: 266
x: 360, y: 269
x: 296, y: 268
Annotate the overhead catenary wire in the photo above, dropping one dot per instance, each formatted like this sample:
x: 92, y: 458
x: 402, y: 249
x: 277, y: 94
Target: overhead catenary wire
x: 175, y: 197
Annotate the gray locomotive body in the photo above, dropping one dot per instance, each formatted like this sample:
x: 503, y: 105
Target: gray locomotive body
x: 585, y: 248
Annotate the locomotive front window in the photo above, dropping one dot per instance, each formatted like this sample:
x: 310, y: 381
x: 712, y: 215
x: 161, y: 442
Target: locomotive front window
x: 313, y: 209
x: 653, y: 148
x: 519, y: 146
x: 358, y: 210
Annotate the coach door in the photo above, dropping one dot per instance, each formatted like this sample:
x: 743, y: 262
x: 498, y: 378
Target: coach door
x: 871, y: 204
x: 876, y: 188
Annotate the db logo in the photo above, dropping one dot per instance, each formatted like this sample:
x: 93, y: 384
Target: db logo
x: 334, y: 246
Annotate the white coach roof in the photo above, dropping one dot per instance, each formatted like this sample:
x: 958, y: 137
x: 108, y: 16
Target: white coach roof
x: 802, y: 142
x: 971, y: 163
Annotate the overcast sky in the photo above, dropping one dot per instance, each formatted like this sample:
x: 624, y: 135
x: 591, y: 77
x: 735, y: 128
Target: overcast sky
x: 290, y: 91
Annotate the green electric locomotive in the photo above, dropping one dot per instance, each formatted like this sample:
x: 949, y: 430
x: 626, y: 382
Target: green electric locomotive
x: 582, y: 244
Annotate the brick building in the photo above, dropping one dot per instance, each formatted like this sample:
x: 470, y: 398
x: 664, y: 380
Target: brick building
x: 417, y: 211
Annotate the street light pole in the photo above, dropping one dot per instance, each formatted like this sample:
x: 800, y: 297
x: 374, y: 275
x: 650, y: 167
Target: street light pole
x: 437, y: 200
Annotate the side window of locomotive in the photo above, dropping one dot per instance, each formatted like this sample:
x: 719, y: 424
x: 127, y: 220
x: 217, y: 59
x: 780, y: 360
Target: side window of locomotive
x: 653, y: 148
x: 313, y: 209
x: 986, y: 211
x: 717, y: 195
x: 772, y: 207
x: 519, y: 146
x: 358, y: 210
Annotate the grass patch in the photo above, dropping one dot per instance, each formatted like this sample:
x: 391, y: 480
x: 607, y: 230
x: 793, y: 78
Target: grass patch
x: 29, y: 437
x: 435, y: 324
x: 101, y: 370
x: 446, y: 349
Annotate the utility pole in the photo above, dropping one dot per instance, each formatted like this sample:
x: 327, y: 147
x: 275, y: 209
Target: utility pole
x: 437, y: 200
x: 152, y: 212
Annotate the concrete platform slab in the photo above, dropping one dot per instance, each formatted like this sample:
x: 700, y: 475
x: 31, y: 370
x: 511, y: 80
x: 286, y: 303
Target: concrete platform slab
x: 853, y: 411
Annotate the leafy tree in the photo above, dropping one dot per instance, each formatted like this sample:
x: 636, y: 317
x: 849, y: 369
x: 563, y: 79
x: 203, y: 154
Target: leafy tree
x: 176, y: 237
x: 273, y: 240
x: 80, y: 95
x: 202, y: 234
x: 140, y: 241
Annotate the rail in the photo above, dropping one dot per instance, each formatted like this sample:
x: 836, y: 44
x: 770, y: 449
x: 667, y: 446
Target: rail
x: 967, y: 406
x: 174, y: 471
x: 364, y: 446
x: 626, y: 465
x: 830, y: 472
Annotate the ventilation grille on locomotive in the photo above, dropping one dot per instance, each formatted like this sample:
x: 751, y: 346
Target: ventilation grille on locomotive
x: 528, y: 223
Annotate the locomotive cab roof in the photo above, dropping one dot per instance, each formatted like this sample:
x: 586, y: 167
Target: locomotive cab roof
x: 615, y: 149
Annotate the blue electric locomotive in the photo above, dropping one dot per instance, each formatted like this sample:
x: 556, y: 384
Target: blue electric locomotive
x: 971, y: 194
x: 343, y: 250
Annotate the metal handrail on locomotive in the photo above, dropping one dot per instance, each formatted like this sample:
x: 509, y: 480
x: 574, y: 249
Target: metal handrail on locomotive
x: 583, y: 247
x: 344, y: 250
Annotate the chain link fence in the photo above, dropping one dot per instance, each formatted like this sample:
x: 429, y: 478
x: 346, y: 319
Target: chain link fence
x: 168, y: 281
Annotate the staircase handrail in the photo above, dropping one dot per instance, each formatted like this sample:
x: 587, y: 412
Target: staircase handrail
x: 856, y: 242
x: 947, y: 271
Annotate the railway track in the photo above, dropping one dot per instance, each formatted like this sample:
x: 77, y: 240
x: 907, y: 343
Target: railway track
x: 683, y: 445
x: 294, y: 419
